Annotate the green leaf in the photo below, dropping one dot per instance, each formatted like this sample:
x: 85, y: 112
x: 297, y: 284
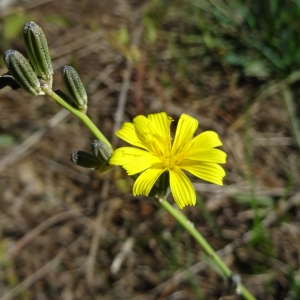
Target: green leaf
x: 6, y: 140
x: 13, y: 25
x: 257, y: 69
x: 151, y: 31
x: 123, y: 36
x: 57, y: 20
x: 261, y: 200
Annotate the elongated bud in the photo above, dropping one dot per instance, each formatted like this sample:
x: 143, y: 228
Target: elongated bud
x: 38, y: 52
x: 102, y: 151
x: 85, y: 159
x: 75, y: 87
x: 22, y: 72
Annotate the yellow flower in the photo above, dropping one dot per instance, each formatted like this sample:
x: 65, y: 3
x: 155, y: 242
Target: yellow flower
x: 156, y: 154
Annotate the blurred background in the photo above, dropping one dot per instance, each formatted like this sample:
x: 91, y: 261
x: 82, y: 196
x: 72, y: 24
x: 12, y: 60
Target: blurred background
x: 70, y: 233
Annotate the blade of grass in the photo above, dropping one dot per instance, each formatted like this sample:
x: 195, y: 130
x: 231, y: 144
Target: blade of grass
x: 288, y: 98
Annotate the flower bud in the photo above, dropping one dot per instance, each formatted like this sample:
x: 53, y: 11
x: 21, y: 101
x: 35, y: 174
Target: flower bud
x: 22, y: 72
x: 38, y: 52
x: 85, y: 159
x: 75, y: 88
x: 101, y: 150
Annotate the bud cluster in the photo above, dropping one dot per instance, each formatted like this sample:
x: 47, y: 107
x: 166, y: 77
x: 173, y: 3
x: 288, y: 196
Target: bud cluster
x: 36, y: 76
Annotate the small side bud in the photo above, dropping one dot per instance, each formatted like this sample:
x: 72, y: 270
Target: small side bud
x: 101, y: 150
x: 22, y: 72
x: 75, y: 88
x: 38, y: 52
x: 85, y: 159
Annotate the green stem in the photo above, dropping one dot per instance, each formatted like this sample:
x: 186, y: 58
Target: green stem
x: 288, y: 97
x: 83, y: 117
x: 182, y: 219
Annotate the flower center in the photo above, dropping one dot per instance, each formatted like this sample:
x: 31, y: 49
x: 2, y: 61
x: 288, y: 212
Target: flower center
x: 169, y: 162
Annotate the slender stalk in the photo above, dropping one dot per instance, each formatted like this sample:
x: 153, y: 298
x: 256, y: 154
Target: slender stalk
x: 288, y: 97
x: 182, y: 219
x: 83, y: 117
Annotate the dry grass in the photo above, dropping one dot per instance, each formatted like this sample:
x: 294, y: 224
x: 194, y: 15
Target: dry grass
x: 68, y: 233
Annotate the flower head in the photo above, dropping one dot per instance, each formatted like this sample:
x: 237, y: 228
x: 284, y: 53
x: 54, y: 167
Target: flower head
x: 156, y: 154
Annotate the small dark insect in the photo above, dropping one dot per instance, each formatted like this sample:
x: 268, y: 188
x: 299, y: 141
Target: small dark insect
x: 7, y: 80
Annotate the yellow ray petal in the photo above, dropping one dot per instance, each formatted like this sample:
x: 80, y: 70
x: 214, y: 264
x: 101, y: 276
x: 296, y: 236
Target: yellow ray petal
x: 208, y: 171
x: 143, y: 132
x: 210, y: 155
x: 141, y: 164
x: 182, y: 188
x: 125, y: 154
x: 160, y: 124
x: 204, y: 141
x: 128, y: 134
x: 185, y: 130
x: 160, y: 127
x: 145, y: 181
x: 141, y: 124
